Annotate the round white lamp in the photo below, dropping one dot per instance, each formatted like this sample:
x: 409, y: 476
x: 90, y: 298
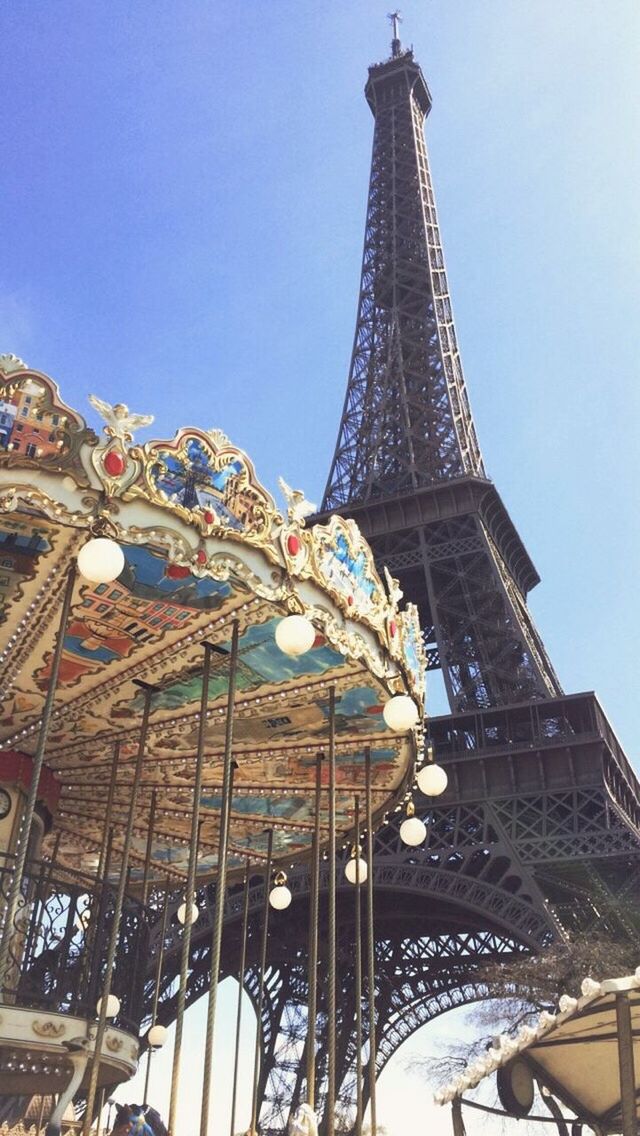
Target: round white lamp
x: 400, y: 713
x: 100, y: 560
x: 182, y: 913
x: 412, y: 830
x: 432, y: 780
x: 295, y: 635
x: 356, y: 869
x: 113, y: 1006
x: 157, y: 1036
x: 280, y: 896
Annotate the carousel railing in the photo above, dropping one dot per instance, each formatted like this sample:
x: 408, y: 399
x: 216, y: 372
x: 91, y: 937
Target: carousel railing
x: 57, y: 945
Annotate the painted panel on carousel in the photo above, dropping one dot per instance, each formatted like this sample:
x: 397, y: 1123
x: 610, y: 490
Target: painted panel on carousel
x: 23, y: 541
x: 146, y: 601
x: 345, y: 565
x: 37, y: 429
x: 208, y: 482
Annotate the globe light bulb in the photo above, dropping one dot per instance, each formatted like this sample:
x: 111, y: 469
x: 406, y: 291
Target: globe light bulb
x: 181, y: 913
x: 280, y: 896
x: 412, y: 830
x: 400, y: 713
x: 157, y: 1036
x: 295, y: 635
x: 432, y: 780
x: 356, y: 870
x: 100, y: 560
x: 113, y: 1006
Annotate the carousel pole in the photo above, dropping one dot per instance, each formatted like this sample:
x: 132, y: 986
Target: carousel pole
x: 263, y: 966
x: 191, y: 883
x: 15, y: 892
x: 148, y: 691
x: 241, y: 970
x: 149, y: 848
x: 371, y: 960
x: 156, y: 989
x: 113, y: 774
x: 314, y: 907
x: 221, y: 883
x: 358, y: 972
x: 333, y: 1002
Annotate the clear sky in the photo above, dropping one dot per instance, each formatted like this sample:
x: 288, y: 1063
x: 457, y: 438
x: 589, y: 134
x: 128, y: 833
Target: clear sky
x: 183, y: 197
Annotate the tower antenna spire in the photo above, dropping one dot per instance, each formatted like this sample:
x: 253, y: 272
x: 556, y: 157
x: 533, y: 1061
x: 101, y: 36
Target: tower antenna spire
x: 396, y: 19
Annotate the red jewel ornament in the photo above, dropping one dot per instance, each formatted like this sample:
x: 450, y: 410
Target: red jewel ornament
x: 294, y: 545
x: 350, y: 601
x: 208, y: 517
x: 177, y: 571
x: 201, y: 556
x: 393, y: 627
x: 113, y: 463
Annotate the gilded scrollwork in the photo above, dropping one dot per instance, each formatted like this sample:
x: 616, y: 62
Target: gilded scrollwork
x: 213, y: 488
x: 40, y: 430
x: 49, y: 1028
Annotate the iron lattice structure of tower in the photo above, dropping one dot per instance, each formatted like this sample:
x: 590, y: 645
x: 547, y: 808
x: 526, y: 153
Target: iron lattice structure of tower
x: 538, y: 833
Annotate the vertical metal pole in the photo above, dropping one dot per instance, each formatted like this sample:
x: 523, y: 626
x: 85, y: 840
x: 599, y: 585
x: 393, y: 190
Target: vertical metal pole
x: 241, y: 970
x: 221, y: 883
x: 149, y: 849
x: 314, y: 909
x: 358, y: 973
x: 191, y: 883
x: 371, y: 960
x: 100, y: 1111
x: 263, y: 967
x: 95, y: 946
x: 40, y: 903
x: 32, y: 798
x: 113, y: 776
x: 117, y: 911
x: 333, y: 1001
x: 159, y: 962
x: 626, y: 1065
x: 156, y: 989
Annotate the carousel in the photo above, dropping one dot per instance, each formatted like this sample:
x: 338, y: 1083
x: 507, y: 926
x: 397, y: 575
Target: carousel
x: 195, y: 687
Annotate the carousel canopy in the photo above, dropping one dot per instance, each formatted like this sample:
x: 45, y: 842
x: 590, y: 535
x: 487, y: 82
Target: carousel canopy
x: 576, y: 1054
x: 204, y: 545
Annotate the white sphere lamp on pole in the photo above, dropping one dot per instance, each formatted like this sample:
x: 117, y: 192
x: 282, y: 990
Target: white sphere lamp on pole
x: 157, y: 1036
x: 280, y: 896
x: 295, y: 635
x: 113, y: 1006
x: 400, y: 713
x: 412, y: 830
x: 100, y: 560
x: 356, y: 867
x: 181, y: 913
x: 432, y: 779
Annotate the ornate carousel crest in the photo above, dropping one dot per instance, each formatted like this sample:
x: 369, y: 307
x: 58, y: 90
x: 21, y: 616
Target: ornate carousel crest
x: 37, y: 429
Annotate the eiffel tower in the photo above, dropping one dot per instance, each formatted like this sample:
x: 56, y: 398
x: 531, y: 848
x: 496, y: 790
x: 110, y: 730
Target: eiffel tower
x: 538, y: 834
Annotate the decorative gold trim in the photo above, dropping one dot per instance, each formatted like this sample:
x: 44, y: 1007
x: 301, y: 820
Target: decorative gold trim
x: 245, y: 500
x: 72, y: 432
x: 48, y: 1028
x: 114, y: 1044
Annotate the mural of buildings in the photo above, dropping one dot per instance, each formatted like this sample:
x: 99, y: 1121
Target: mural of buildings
x: 25, y: 427
x: 20, y: 547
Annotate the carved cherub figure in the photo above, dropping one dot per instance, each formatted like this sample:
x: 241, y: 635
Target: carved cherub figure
x: 297, y: 506
x: 120, y: 421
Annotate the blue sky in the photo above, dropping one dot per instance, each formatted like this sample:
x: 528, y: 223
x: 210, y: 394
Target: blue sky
x: 184, y: 189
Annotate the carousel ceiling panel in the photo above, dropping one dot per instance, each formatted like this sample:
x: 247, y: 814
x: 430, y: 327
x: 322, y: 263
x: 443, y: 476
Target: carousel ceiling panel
x: 204, y: 546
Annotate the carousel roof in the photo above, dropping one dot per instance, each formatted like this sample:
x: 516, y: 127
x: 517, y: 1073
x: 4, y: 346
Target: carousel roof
x: 573, y: 1053
x: 204, y: 545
